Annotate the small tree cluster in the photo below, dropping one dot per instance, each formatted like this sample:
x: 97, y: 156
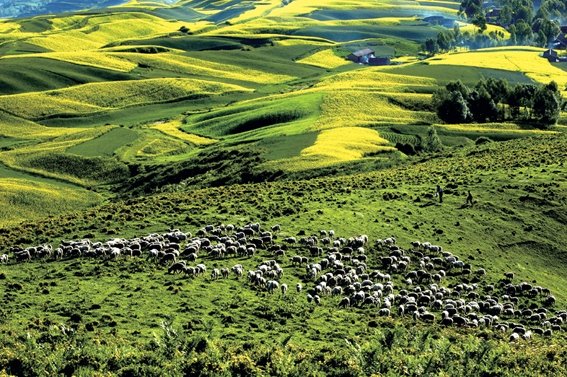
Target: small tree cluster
x: 448, y: 40
x: 494, y: 100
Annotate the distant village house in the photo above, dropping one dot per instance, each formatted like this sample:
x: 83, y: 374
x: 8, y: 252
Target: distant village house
x: 552, y: 56
x: 361, y: 56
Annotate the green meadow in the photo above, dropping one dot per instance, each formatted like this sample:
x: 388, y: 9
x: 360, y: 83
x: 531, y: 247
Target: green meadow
x: 136, y: 119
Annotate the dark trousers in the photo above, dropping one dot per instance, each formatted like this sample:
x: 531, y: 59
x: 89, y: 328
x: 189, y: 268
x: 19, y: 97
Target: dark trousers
x: 441, y: 197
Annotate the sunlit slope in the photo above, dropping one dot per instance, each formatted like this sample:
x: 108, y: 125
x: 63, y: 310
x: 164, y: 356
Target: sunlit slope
x: 335, y: 146
x: 27, y: 200
x: 527, y: 61
x: 172, y: 61
x: 92, y: 98
x: 79, y: 33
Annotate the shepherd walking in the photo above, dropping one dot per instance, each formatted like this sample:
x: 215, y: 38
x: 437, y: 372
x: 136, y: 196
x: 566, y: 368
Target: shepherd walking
x: 439, y: 193
x: 470, y: 199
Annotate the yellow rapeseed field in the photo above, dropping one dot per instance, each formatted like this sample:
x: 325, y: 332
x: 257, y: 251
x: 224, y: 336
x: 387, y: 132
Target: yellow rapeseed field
x: 102, y: 30
x: 326, y: 59
x: 160, y: 146
x: 373, y: 77
x: 178, y: 63
x: 95, y: 97
x: 90, y: 58
x: 528, y: 62
x: 172, y: 129
x: 260, y: 9
x: 21, y: 199
x: 472, y: 29
x: 334, y: 146
x: 340, y: 108
x: 11, y: 126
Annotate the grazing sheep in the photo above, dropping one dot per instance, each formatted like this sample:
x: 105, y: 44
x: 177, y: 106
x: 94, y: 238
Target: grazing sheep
x: 166, y: 259
x: 4, y: 258
x: 509, y: 275
x: 383, y: 312
x: 215, y: 274
x: 176, y: 268
x: 298, y: 287
x: 284, y: 289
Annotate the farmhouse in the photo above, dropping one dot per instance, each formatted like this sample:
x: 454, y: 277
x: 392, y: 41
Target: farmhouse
x: 361, y: 56
x: 550, y: 55
x: 379, y: 61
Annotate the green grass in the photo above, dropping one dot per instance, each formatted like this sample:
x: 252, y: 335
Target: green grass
x: 348, y: 33
x: 468, y: 75
x: 23, y: 75
x: 105, y: 145
x: 287, y: 146
x: 252, y: 116
x: 517, y: 224
x: 83, y: 170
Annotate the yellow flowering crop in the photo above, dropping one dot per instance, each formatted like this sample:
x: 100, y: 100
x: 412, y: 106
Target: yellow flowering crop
x: 528, y: 62
x: 372, y: 77
x: 172, y: 129
x: 34, y: 200
x: 326, y: 59
x: 95, y: 97
x: 16, y: 127
x: 342, y: 108
x: 336, y: 145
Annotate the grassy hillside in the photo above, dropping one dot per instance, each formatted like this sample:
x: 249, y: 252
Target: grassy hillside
x: 133, y: 306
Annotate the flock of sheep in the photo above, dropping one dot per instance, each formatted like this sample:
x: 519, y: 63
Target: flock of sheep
x: 339, y: 267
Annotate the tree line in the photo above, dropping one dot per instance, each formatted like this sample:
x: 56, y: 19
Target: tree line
x: 494, y: 100
x: 525, y: 25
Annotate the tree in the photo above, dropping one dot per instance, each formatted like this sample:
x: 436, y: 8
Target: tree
x: 454, y: 109
x: 546, y: 107
x: 480, y: 22
x: 541, y: 39
x: 524, y: 33
x: 444, y: 41
x: 525, y: 13
x: 471, y: 8
x: 520, y: 98
x: 458, y: 86
x: 512, y: 31
x: 481, y: 105
x: 505, y: 15
x: 431, y: 142
x: 431, y: 46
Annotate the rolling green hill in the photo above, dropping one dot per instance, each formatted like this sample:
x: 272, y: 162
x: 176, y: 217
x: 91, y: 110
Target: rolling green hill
x: 132, y: 120
x: 516, y: 224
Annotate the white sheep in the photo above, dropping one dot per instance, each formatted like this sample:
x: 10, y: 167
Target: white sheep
x: 284, y: 289
x: 215, y: 274
x: 298, y: 287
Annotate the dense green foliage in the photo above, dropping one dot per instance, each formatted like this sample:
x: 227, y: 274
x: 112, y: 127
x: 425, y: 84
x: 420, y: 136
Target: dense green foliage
x: 456, y: 103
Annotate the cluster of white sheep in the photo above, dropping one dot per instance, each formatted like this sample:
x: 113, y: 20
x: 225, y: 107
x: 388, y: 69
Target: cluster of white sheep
x: 342, y: 270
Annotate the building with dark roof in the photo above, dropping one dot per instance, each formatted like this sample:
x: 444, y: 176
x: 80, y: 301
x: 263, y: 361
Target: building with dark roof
x: 361, y: 56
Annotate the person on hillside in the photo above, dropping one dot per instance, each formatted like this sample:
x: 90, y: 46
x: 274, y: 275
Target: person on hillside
x: 470, y: 199
x: 439, y: 193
